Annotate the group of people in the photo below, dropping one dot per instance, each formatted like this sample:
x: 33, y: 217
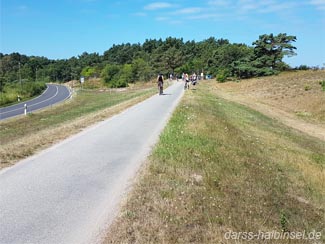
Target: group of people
x: 187, y: 79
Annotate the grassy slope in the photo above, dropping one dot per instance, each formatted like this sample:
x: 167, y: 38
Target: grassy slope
x: 220, y: 166
x: 297, y: 92
x: 29, y: 90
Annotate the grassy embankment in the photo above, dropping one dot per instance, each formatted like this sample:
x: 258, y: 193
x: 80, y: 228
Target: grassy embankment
x: 220, y: 166
x: 23, y: 136
x: 25, y: 91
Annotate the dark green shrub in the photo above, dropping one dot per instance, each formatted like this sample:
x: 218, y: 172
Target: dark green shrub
x: 31, y: 89
x: 307, y: 87
x: 303, y: 67
x: 222, y: 75
x: 322, y: 83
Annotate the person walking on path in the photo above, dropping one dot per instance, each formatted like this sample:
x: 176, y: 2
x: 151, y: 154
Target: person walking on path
x: 160, y: 83
x: 187, y: 82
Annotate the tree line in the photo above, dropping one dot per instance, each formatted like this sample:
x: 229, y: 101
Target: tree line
x: 127, y: 63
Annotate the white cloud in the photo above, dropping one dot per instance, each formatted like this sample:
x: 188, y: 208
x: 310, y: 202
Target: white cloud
x: 276, y: 7
x: 319, y: 4
x: 189, y: 11
x: 216, y: 10
x: 210, y: 16
x: 22, y: 8
x: 266, y: 6
x: 141, y: 14
x: 162, y: 18
x: 247, y: 4
x: 169, y: 21
x: 157, y: 5
x: 219, y: 3
x: 175, y: 22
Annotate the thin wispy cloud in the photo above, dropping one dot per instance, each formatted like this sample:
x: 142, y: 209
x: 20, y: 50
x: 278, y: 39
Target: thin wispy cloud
x: 219, y: 3
x: 162, y: 19
x: 175, y: 22
x: 319, y: 4
x: 209, y: 16
x: 157, y: 6
x: 141, y: 14
x: 215, y: 10
x: 276, y: 7
x: 188, y: 11
x: 21, y: 10
x: 241, y: 8
x: 169, y: 20
x: 266, y: 6
x: 247, y: 5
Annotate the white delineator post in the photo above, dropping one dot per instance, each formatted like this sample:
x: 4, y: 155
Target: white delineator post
x: 25, y: 109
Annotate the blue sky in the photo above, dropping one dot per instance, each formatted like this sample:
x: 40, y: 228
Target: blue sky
x: 65, y: 28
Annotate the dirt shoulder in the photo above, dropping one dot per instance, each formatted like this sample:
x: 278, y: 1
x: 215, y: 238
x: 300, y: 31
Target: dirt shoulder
x: 296, y: 99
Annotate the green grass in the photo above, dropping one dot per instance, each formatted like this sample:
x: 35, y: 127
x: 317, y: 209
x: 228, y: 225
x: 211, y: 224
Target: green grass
x: 221, y: 166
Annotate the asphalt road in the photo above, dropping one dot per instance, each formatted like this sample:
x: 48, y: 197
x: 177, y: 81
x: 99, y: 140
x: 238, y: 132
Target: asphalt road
x: 70, y: 192
x: 52, y: 95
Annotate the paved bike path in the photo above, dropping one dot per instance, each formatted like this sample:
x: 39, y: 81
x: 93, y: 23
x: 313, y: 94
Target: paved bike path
x: 67, y: 193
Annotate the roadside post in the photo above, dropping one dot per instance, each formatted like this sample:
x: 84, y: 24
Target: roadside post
x: 25, y: 109
x: 82, y: 80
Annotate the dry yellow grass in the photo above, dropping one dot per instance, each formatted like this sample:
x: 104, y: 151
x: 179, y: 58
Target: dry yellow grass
x: 283, y: 97
x: 296, y: 92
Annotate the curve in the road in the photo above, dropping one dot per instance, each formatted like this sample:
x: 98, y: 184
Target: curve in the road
x: 52, y: 95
